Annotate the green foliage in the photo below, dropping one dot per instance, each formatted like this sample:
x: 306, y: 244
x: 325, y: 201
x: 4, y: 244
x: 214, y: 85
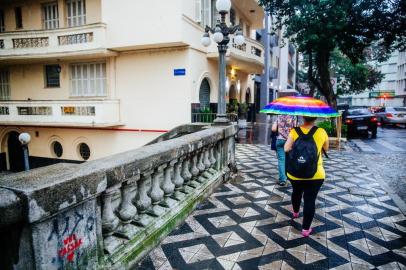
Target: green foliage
x: 353, y: 78
x: 344, y: 131
x: 242, y: 110
x: 319, y: 27
x: 232, y: 107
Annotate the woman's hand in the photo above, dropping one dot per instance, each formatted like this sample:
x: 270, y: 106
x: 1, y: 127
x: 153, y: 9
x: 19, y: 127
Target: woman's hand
x: 289, y: 144
x: 275, y: 126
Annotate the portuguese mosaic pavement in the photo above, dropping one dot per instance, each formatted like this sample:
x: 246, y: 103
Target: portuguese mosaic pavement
x: 248, y: 225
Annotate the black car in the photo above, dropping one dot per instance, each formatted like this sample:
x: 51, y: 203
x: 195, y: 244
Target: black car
x: 360, y: 121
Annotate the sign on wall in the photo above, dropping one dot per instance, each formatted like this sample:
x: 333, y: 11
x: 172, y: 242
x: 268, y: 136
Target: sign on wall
x: 179, y: 72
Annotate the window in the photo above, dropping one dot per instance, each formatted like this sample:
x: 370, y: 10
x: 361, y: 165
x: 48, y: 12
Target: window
x: 19, y: 17
x: 52, y: 73
x: 4, y: 85
x: 84, y: 151
x: 203, y: 12
x: 88, y: 79
x: 57, y: 149
x: 2, y: 26
x: 76, y: 12
x: 232, y: 17
x: 215, y: 15
x: 50, y: 16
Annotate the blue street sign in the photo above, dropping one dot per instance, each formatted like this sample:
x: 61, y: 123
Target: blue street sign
x: 179, y: 72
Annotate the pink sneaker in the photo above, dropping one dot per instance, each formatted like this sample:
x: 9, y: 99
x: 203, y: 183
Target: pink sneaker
x: 306, y: 233
x: 295, y: 215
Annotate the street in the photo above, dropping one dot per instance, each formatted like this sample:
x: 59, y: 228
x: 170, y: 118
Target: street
x: 386, y: 157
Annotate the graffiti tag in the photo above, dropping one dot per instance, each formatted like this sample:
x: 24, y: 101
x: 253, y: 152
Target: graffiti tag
x: 70, y: 244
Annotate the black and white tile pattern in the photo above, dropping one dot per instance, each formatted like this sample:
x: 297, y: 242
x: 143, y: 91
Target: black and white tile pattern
x: 248, y: 225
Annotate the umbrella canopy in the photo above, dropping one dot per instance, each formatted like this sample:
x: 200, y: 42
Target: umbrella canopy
x: 300, y: 105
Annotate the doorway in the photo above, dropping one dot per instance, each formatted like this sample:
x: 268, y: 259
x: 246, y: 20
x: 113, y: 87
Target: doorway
x: 15, y: 152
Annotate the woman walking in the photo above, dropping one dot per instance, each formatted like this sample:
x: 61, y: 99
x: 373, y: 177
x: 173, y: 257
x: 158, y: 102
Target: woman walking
x: 282, y: 125
x: 308, y: 187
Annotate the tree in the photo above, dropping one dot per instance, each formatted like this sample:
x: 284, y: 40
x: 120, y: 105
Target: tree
x: 353, y: 78
x: 318, y: 27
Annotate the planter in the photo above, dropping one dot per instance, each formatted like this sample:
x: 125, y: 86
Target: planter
x: 242, y: 123
x: 335, y: 142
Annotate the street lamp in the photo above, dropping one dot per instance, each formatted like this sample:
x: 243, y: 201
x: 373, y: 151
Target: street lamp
x: 25, y: 139
x: 221, y: 36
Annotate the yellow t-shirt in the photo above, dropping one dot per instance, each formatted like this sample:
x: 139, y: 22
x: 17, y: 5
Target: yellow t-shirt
x: 320, y: 137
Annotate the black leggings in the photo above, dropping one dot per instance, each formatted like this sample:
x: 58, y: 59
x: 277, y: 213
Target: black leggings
x: 308, y: 189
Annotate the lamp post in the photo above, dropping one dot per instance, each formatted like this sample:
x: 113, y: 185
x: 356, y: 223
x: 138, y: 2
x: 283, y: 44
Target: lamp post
x: 221, y: 35
x: 25, y: 139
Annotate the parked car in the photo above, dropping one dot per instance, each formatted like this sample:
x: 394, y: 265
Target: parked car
x: 392, y: 115
x: 360, y: 121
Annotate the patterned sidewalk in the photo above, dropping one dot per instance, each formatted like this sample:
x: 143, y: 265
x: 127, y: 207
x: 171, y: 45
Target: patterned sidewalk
x: 248, y: 225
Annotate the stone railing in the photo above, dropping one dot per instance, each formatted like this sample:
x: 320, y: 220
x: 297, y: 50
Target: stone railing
x: 88, y: 113
x: 109, y: 213
x: 90, y: 37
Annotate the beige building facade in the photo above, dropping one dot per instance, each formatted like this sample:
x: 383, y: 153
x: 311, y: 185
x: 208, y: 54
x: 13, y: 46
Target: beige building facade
x: 90, y: 78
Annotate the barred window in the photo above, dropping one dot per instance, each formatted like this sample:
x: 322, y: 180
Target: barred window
x: 50, y: 16
x: 76, y: 12
x: 52, y: 73
x: 4, y: 85
x: 2, y: 26
x: 88, y: 80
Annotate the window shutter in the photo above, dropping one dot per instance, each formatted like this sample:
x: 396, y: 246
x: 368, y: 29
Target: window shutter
x: 206, y: 12
x: 198, y: 10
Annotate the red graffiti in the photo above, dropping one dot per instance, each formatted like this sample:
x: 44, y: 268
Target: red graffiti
x: 71, y: 243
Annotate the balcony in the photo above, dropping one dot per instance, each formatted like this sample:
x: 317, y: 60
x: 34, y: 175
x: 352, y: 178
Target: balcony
x: 80, y: 113
x: 60, y: 43
x: 248, y: 57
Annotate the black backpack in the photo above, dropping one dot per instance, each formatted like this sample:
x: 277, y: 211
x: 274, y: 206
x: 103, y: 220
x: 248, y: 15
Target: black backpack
x: 301, y: 161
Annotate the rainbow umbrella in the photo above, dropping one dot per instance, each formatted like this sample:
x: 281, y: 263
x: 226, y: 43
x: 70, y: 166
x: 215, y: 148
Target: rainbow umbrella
x: 300, y: 105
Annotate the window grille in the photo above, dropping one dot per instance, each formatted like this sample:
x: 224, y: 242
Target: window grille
x: 50, y: 16
x: 76, y: 12
x: 4, y: 85
x: 2, y: 26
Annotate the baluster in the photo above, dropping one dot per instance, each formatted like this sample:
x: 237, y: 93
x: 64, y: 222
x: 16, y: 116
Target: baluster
x: 206, y: 160
x: 142, y: 199
x: 200, y: 166
x: 157, y: 194
x: 127, y: 211
x: 110, y: 222
x: 218, y: 159
x: 178, y: 180
x: 195, y: 171
x: 186, y: 175
x: 168, y: 186
x: 212, y: 160
x: 206, y: 174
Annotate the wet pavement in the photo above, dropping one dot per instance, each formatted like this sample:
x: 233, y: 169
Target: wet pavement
x: 248, y: 225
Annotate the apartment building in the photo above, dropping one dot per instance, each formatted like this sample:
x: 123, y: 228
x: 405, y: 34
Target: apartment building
x: 388, y: 92
x: 91, y: 78
x: 401, y: 77
x: 279, y: 78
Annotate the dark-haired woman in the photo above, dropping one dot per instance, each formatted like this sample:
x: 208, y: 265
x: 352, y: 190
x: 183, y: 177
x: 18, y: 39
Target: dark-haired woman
x: 307, y: 188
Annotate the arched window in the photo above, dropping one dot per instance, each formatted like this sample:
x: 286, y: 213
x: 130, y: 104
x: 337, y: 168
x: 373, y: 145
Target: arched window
x: 204, y: 94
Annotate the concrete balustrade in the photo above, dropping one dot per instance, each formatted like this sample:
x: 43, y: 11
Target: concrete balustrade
x: 109, y: 213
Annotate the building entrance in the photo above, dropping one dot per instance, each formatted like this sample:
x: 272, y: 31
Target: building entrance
x: 15, y: 152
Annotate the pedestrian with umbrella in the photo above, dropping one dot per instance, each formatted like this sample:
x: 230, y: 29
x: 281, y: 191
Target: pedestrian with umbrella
x: 304, y: 145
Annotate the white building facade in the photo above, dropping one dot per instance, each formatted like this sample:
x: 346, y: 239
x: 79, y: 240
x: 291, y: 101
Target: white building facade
x: 91, y: 78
